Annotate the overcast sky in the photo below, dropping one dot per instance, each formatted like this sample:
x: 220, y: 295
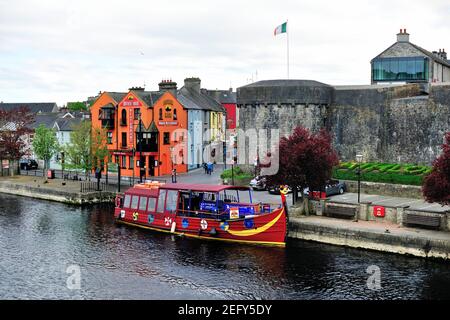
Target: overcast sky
x: 68, y: 50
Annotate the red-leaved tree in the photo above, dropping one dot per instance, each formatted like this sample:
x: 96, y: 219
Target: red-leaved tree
x: 306, y: 160
x: 14, y: 125
x: 436, y: 187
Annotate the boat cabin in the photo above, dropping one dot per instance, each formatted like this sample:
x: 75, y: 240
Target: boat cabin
x: 220, y: 202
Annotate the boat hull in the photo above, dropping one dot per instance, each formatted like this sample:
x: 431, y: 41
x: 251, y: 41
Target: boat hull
x: 263, y: 229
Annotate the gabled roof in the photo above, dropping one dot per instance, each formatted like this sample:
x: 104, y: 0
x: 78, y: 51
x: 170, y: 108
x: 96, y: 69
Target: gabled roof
x: 67, y: 124
x: 190, y: 99
x: 149, y: 97
x: 47, y: 119
x: 422, y: 50
x: 39, y: 107
x: 116, y: 96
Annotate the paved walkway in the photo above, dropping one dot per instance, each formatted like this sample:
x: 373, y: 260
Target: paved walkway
x: 415, y: 204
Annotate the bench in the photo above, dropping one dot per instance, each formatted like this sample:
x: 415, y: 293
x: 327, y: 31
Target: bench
x: 340, y: 212
x: 422, y: 220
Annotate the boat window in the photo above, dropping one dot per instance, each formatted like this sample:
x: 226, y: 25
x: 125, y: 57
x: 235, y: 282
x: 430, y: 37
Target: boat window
x: 161, y: 198
x: 127, y: 201
x: 134, y: 202
x: 171, y: 202
x: 151, y: 204
x: 143, y: 203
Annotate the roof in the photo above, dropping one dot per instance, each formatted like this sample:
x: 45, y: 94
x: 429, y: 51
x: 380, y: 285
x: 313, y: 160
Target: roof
x: 38, y: 107
x: 143, y: 191
x: 47, y: 119
x: 201, y: 187
x: 425, y: 52
x: 222, y: 96
x: 149, y: 97
x: 67, y: 124
x: 191, y: 99
x: 117, y: 96
x: 286, y: 83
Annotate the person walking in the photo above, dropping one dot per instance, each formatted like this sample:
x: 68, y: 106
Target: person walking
x: 174, y: 175
x: 205, y: 167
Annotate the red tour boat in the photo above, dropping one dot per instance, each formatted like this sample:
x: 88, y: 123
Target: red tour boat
x: 216, y: 212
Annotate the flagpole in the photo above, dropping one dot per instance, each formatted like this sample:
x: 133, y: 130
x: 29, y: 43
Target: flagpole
x: 287, y: 41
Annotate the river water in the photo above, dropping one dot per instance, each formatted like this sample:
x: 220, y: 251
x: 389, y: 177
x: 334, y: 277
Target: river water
x: 42, y: 243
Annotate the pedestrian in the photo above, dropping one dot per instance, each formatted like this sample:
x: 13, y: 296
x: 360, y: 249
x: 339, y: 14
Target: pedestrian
x: 174, y: 175
x: 209, y: 165
x: 204, y: 167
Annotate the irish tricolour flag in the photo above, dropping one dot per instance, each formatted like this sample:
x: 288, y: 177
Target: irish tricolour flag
x: 282, y: 28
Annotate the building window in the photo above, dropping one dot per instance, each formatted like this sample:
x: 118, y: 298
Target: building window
x: 166, y: 138
x: 131, y: 163
x: 124, y: 139
x: 400, y: 69
x: 123, y: 119
x: 124, y: 162
x: 117, y: 160
x: 174, y: 114
x: 160, y: 114
x: 137, y: 113
x: 109, y: 136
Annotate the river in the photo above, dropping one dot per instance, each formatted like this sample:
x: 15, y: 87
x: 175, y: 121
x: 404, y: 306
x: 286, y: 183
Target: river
x: 42, y: 242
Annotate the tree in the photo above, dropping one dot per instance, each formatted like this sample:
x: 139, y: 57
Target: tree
x: 436, y: 186
x: 76, y: 106
x: 45, y: 144
x: 14, y: 126
x: 78, y: 151
x: 306, y: 160
x: 99, y: 149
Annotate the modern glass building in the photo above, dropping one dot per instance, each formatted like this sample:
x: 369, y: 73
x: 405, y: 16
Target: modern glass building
x: 406, y: 62
x: 409, y: 69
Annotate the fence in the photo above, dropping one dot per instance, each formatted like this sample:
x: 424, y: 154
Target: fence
x: 91, y: 186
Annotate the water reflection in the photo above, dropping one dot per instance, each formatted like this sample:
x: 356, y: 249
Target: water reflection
x: 41, y: 239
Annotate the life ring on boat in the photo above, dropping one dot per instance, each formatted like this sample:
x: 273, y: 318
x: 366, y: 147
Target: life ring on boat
x: 122, y: 214
x: 167, y: 221
x: 203, y: 224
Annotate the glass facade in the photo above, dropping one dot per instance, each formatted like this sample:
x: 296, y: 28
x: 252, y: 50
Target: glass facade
x: 400, y: 69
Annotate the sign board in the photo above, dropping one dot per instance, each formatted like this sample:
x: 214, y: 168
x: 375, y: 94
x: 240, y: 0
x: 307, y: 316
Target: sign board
x: 5, y: 164
x: 112, y: 167
x: 234, y: 213
x: 168, y: 123
x: 379, y: 211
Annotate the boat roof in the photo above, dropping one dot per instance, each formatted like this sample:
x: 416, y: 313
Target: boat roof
x: 149, y: 192
x: 201, y: 187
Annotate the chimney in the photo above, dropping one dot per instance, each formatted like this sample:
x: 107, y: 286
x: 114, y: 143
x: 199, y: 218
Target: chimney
x: 443, y: 54
x: 168, y: 85
x: 193, y: 84
x: 402, y: 36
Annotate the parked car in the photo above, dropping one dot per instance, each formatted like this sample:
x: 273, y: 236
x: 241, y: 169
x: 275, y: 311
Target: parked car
x: 28, y: 164
x: 259, y: 183
x: 332, y: 187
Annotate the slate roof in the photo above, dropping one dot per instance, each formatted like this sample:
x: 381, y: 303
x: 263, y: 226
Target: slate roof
x: 222, y: 96
x: 149, y: 97
x: 192, y: 99
x: 39, y: 107
x: 117, y: 96
x: 67, y: 124
x: 47, y: 119
x: 425, y: 52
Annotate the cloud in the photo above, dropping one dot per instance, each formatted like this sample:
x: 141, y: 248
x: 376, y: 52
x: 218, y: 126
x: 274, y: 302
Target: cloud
x: 65, y: 50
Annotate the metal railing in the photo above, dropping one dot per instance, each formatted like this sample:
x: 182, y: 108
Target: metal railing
x: 91, y: 186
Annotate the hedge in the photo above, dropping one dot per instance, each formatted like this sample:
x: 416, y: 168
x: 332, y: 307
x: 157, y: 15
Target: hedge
x: 410, y: 174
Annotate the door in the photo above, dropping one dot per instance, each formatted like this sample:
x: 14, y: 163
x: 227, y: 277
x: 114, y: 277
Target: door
x: 151, y: 166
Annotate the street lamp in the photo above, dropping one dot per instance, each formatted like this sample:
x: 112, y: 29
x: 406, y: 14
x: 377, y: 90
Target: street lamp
x: 359, y: 158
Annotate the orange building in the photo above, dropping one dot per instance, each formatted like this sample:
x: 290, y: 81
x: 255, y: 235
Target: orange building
x: 146, y: 130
